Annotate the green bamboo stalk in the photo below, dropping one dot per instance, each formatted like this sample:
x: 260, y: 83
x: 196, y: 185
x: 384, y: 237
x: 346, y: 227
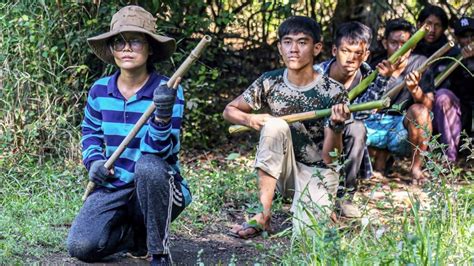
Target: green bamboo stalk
x: 392, y: 93
x: 380, y: 104
x: 443, y: 75
x: 362, y: 86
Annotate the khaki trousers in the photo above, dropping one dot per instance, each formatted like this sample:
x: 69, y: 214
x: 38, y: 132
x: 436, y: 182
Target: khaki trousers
x: 313, y: 189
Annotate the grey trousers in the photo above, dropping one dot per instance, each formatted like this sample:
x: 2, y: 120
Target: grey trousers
x: 354, y: 139
x: 115, y: 220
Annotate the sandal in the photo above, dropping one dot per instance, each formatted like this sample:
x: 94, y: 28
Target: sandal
x: 258, y: 229
x: 141, y: 256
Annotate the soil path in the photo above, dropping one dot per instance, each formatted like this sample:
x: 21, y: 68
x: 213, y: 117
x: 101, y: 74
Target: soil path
x: 211, y: 246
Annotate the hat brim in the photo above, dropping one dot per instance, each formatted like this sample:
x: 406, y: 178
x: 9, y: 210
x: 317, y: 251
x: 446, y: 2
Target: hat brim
x: 163, y: 46
x: 461, y: 31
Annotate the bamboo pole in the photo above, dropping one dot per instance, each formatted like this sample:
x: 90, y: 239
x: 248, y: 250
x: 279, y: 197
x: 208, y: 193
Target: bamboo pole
x: 441, y: 51
x: 180, y: 72
x: 442, y: 76
x: 414, y: 39
x: 380, y: 104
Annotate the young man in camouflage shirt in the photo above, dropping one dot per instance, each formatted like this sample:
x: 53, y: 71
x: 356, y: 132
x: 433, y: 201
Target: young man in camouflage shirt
x: 293, y: 158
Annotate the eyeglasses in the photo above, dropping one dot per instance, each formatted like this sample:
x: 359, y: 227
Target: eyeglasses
x: 136, y: 45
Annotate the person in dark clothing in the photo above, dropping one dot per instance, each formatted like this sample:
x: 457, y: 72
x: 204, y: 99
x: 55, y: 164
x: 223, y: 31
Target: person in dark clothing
x: 452, y: 109
x: 437, y: 20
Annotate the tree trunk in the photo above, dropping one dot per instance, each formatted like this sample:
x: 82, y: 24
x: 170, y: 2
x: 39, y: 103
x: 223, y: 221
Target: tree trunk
x: 367, y: 12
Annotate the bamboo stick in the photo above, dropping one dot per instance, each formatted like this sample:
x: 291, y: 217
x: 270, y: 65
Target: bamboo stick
x: 362, y: 86
x: 442, y: 76
x: 380, y: 104
x: 180, y: 72
x: 441, y: 51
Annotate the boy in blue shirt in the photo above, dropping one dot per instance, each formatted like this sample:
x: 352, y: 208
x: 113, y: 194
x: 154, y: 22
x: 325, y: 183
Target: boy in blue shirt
x: 137, y: 199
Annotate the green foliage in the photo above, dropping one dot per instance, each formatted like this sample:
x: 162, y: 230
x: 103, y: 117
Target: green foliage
x: 46, y: 70
x: 44, y: 77
x: 438, y: 232
x: 214, y: 186
x: 39, y: 203
x: 37, y: 207
x: 46, y: 67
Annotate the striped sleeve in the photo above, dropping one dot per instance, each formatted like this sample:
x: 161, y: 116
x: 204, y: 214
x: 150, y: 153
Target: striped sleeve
x: 92, y: 135
x: 164, y: 140
x: 375, y: 90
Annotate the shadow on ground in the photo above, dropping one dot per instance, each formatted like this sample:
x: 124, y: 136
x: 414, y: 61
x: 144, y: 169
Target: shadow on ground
x: 210, y: 246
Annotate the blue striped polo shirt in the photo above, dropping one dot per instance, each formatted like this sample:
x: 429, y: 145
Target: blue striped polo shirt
x: 109, y: 117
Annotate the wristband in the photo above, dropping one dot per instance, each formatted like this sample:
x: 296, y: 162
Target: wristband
x: 336, y: 127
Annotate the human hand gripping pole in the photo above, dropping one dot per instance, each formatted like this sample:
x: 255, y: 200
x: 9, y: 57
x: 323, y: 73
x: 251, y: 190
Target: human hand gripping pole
x: 164, y: 98
x: 415, y: 38
x: 442, y: 76
x: 98, y: 173
x: 172, y: 83
x: 380, y: 104
x: 441, y: 51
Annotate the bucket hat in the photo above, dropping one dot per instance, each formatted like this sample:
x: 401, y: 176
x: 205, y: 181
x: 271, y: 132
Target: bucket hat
x: 133, y: 19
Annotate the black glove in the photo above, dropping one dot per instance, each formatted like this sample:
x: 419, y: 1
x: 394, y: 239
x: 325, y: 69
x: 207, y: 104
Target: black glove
x: 164, y: 98
x: 98, y: 173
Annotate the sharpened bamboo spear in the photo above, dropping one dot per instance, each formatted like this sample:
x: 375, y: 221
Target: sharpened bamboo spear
x: 362, y: 86
x: 183, y: 68
x: 380, y: 104
x: 442, y: 76
x: 441, y: 51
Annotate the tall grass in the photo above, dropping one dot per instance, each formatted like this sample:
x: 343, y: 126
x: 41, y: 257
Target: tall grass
x: 44, y: 77
x: 437, y: 232
x: 37, y: 205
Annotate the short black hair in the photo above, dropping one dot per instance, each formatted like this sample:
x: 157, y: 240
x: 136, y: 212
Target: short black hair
x: 354, y: 32
x: 300, y: 24
x: 433, y: 10
x: 396, y: 25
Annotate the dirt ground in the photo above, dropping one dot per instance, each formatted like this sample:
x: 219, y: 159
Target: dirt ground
x: 211, y: 246
x: 376, y: 197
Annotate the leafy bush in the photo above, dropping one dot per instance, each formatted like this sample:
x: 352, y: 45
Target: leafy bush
x: 45, y: 77
x: 439, y: 232
x: 47, y: 68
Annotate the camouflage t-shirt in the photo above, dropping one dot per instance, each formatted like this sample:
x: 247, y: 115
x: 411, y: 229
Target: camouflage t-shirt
x: 273, y: 91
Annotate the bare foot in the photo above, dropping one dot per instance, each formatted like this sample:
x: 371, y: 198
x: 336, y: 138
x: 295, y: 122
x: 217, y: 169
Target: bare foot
x: 418, y: 177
